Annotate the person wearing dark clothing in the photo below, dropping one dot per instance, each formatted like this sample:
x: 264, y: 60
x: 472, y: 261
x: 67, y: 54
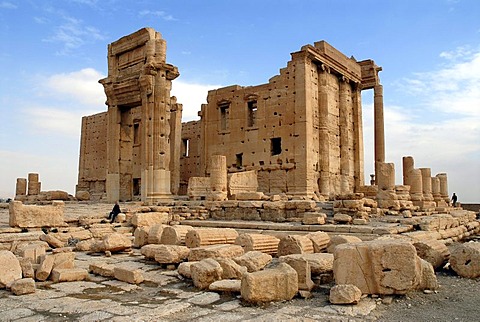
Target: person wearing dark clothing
x: 454, y: 199
x: 115, y: 211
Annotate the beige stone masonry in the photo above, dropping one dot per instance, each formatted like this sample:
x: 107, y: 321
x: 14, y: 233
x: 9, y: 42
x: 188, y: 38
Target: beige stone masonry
x: 149, y: 250
x: 253, y: 260
x: 320, y: 241
x: 205, y: 272
x: 345, y: 294
x: 302, y: 266
x: 175, y: 235
x: 10, y: 269
x: 27, y: 268
x: 275, y: 284
x: 213, y: 251
x: 128, y: 274
x: 102, y: 269
x: 295, y: 244
x: 23, y: 286
x: 149, y: 218
x: 171, y: 254
x: 465, y: 259
x: 52, y: 241
x: 29, y: 216
x: 155, y: 233
x: 68, y: 274
x: 34, y: 253
x: 341, y: 239
x: 264, y: 243
x: 184, y: 269
x: 320, y: 263
x: 230, y: 268
x: 115, y: 243
x: 140, y: 236
x: 433, y: 251
x: 212, y: 236
x: 226, y: 285
x: 45, y: 268
x: 242, y: 182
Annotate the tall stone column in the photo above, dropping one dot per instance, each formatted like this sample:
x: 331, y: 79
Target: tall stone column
x: 324, y: 137
x: 21, y: 187
x: 175, y: 144
x: 436, y: 192
x: 379, y: 126
x: 34, y: 186
x: 218, y: 178
x: 113, y: 152
x: 358, y: 138
x: 408, y: 167
x: 344, y: 135
x: 427, y: 183
x: 416, y: 187
x: 444, y: 187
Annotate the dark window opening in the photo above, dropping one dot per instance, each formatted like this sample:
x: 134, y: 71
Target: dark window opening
x: 185, y: 147
x: 224, y: 111
x: 136, y: 133
x: 136, y: 186
x: 276, y: 146
x: 239, y: 163
x: 252, y: 112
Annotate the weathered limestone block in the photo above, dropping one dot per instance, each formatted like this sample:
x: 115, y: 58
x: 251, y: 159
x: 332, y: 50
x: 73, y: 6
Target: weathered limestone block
x: 10, y: 269
x: 102, y: 269
x: 155, y: 233
x: 276, y: 284
x: 218, y: 178
x: 465, y: 259
x: 210, y: 236
x: 231, y: 269
x: 214, y: 251
x: 341, y: 239
x: 249, y: 196
x: 242, y: 182
x: 198, y: 187
x: 378, y: 266
x: 175, y: 235
x: 116, y: 243
x: 184, y: 269
x: 320, y: 263
x: 253, y: 260
x: 33, y: 252
x: 64, y: 260
x: 427, y: 279
x: 23, y: 286
x: 345, y: 294
x: 259, y: 242
x: 205, y: 272
x: 30, y: 216
x: 149, y: 251
x: 27, y: 268
x: 52, y: 241
x: 433, y: 251
x: 320, y: 241
x: 128, y: 275
x: 302, y: 266
x: 313, y: 218
x: 34, y: 185
x: 82, y: 195
x: 68, y: 274
x: 86, y: 245
x: 171, y: 254
x: 56, y: 195
x: 21, y: 187
x: 45, y: 268
x: 149, y: 218
x: 340, y: 218
x: 140, y: 236
x: 295, y: 244
x: 225, y: 285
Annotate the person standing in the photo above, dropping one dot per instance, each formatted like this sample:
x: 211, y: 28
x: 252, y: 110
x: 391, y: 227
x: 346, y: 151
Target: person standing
x: 454, y: 200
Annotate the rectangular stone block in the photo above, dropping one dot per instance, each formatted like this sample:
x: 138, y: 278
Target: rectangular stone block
x: 102, y: 269
x: 30, y: 216
x: 68, y: 274
x: 128, y: 275
x: 23, y: 286
x: 149, y: 218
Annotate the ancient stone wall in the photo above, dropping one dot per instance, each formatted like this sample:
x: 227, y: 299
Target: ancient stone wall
x: 301, y: 131
x: 190, y: 152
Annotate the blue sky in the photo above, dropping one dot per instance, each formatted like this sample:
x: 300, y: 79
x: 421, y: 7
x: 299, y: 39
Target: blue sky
x: 52, y: 54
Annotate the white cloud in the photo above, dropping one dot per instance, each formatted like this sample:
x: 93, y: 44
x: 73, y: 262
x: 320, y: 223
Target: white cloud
x: 73, y: 33
x: 7, y: 5
x: 56, y: 121
x: 81, y: 86
x: 162, y: 14
x: 192, y: 96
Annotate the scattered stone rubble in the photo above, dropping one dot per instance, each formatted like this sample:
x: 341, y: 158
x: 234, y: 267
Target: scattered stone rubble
x: 261, y: 267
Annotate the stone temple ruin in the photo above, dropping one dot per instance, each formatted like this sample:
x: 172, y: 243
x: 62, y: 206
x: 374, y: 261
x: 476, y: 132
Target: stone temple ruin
x: 263, y: 196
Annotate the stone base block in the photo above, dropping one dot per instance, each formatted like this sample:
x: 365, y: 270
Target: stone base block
x: 68, y: 274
